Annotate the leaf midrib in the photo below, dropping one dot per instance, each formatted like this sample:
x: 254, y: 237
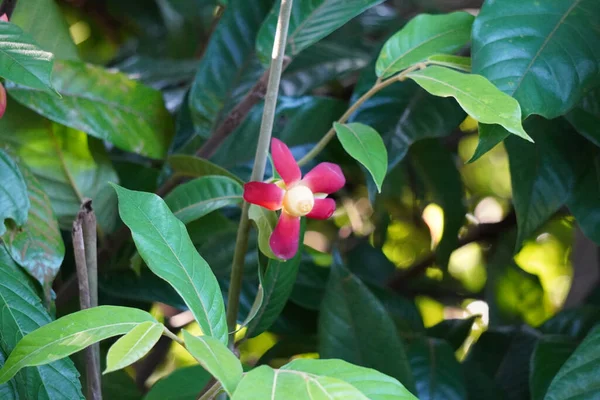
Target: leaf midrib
x: 19, y: 63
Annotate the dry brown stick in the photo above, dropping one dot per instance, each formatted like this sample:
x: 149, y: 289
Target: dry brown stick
x: 94, y: 391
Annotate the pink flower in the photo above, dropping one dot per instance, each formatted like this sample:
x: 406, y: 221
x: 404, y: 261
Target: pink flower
x: 2, y: 100
x: 295, y: 197
x: 4, y: 17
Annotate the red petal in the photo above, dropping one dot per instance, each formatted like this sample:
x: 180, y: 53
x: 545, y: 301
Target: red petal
x: 267, y: 195
x: 2, y: 100
x: 325, y: 178
x: 4, y: 17
x: 284, y: 239
x: 323, y: 209
x: 284, y: 161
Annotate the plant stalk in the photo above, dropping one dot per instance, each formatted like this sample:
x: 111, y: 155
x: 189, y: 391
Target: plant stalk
x: 260, y: 161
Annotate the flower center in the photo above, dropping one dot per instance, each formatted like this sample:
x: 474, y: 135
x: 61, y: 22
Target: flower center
x: 298, y: 201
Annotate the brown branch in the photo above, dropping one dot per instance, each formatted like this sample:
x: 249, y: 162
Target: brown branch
x: 487, y: 232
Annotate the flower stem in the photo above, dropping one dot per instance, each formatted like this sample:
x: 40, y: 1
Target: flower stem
x: 379, y: 85
x: 260, y: 161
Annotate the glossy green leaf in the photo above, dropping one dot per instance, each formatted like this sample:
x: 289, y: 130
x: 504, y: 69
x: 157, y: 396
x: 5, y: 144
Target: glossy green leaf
x: 447, y: 60
x: 216, y: 358
x: 69, y: 165
x: 573, y: 322
x: 454, y: 331
x: 22, y: 314
x: 436, y: 168
x: 22, y: 60
x: 265, y: 221
x: 181, y: 384
x: 438, y: 375
x: 279, y: 384
x: 558, y: 54
x: 9, y: 389
x: 106, y: 105
x: 424, y: 36
x: 38, y: 245
x: 197, y: 167
x: 371, y: 383
x: 229, y: 67
x: 70, y: 334
x: 45, y: 22
x: 133, y: 346
x: 165, y: 246
x: 578, y: 377
x: 310, y: 22
x: 309, y: 287
x: 583, y: 201
x: 277, y: 281
x: 475, y: 94
x: 489, y: 137
x: 196, y: 198
x: 365, y: 145
x: 354, y: 326
x: 544, y: 174
x: 585, y: 116
x: 14, y: 200
x: 549, y: 355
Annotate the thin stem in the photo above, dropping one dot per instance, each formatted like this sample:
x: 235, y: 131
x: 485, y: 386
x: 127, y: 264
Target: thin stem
x: 212, y: 392
x: 173, y: 336
x: 260, y: 161
x: 379, y: 85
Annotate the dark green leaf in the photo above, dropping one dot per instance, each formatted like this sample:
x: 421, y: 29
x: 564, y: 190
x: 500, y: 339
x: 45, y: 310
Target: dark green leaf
x: 549, y: 355
x: 438, y: 375
x: 574, y: 322
x: 69, y: 165
x: 310, y: 22
x: 558, y: 53
x: 265, y: 221
x: 578, y: 377
x: 373, y: 384
x: 120, y: 385
x: 9, y: 389
x: 14, y: 200
x: 355, y: 326
x: 22, y: 60
x: 165, y: 246
x: 437, y: 169
x: 277, y: 281
x: 23, y: 313
x: 133, y: 346
x: 196, y: 198
x: 489, y: 137
x: 181, y: 384
x: 365, y: 145
x: 229, y: 67
x: 216, y: 358
x: 70, y: 334
x: 106, y: 105
x: 424, y: 36
x: 454, y: 331
x: 583, y: 202
x: 45, y: 22
x: 309, y: 287
x: 289, y: 346
x: 585, y: 117
x: 196, y: 167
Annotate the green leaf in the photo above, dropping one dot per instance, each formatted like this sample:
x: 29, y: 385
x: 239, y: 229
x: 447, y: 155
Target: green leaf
x: 584, y: 199
x: 489, y: 137
x: 22, y: 60
x: 9, y: 389
x: 197, y: 167
x: 164, y: 244
x: 266, y: 383
x: 310, y: 22
x: 229, y: 67
x: 436, y: 168
x: 455, y: 62
x: 277, y: 281
x: 365, y: 145
x: 549, y: 355
x: 265, y: 221
x: 371, y: 383
x: 585, y: 116
x: 70, y: 334
x: 578, y: 377
x: 196, y: 198
x: 69, y: 165
x: 38, y: 245
x: 120, y: 385
x: 133, y: 346
x: 355, y: 326
x: 106, y: 105
x: 454, y: 331
x: 216, y: 358
x: 424, y: 36
x: 45, y: 22
x: 573, y: 322
x: 437, y: 373
x: 309, y: 287
x: 558, y: 54
x: 181, y: 384
x: 475, y: 94
x: 14, y: 201
x: 22, y: 314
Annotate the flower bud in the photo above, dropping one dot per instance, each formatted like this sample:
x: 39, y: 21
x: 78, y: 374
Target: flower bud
x: 2, y: 100
x: 298, y: 201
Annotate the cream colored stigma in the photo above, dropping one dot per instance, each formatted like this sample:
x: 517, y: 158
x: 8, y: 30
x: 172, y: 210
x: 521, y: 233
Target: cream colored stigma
x: 298, y: 201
